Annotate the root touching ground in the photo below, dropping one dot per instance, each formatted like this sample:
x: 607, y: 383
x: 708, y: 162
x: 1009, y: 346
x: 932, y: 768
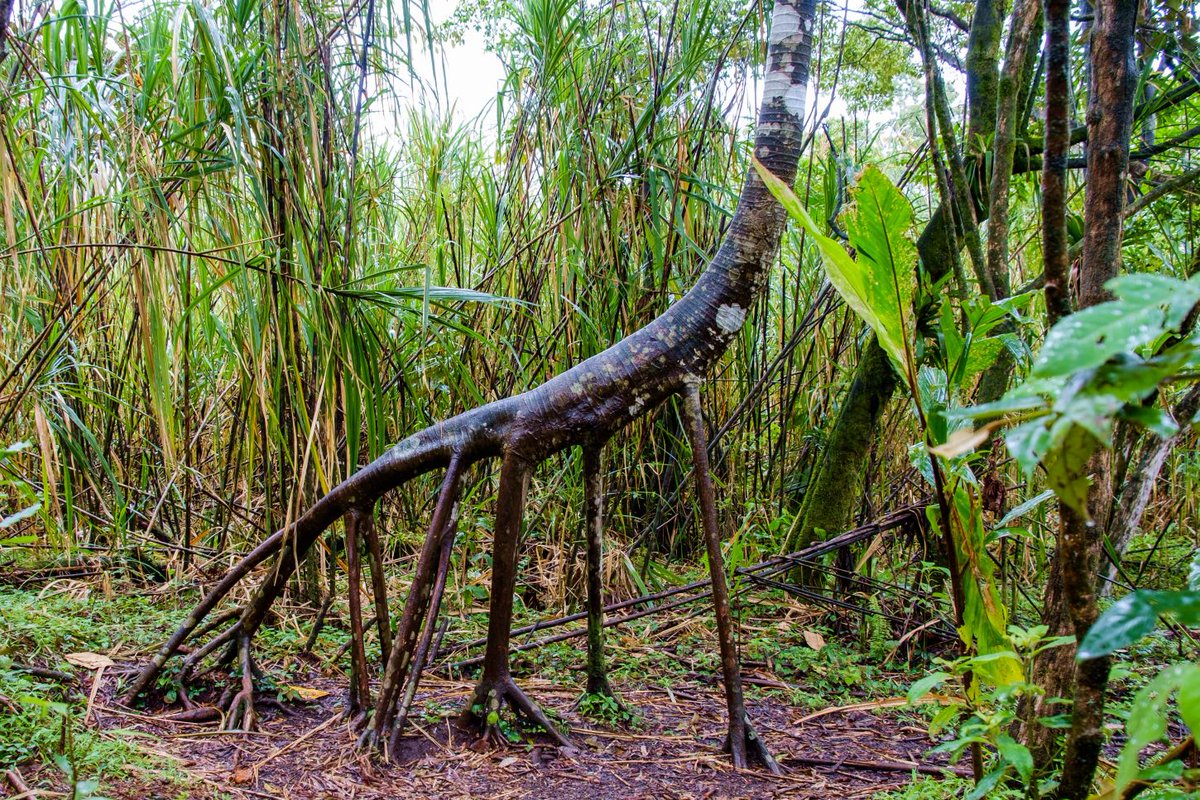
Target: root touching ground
x: 584, y: 406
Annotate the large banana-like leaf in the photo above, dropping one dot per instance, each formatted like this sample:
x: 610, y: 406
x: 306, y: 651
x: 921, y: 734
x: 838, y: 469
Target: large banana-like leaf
x: 879, y: 285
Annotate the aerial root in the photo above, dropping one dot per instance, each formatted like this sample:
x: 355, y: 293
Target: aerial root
x: 484, y: 712
x: 382, y: 728
x: 435, y: 605
x: 378, y: 585
x: 752, y: 752
x: 742, y: 742
x: 241, y: 708
x: 359, y: 693
x: 194, y: 658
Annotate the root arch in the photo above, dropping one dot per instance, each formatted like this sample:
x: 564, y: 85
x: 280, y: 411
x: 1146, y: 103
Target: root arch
x: 583, y: 406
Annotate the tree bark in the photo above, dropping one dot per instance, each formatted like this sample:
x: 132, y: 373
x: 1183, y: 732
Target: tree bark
x: 836, y: 486
x: 1053, y: 667
x: 583, y: 406
x: 1110, y: 123
x: 1055, y: 242
x: 6, y: 7
x: 983, y: 49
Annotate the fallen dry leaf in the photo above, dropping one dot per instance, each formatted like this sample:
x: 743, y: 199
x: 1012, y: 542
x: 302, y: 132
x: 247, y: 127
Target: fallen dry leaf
x: 89, y: 660
x: 307, y: 693
x: 814, y: 640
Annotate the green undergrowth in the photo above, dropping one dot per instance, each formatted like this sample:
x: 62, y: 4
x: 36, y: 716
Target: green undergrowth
x: 41, y: 719
x: 925, y: 787
x: 809, y: 662
x: 816, y: 666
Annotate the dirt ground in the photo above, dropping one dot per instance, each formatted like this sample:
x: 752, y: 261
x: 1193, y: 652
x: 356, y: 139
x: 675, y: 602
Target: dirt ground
x: 307, y: 751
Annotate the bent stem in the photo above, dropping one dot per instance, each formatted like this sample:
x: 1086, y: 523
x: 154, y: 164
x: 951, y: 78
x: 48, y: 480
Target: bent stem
x: 496, y: 685
x: 742, y: 743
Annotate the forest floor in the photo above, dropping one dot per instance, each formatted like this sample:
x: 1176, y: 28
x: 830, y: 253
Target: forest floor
x: 833, y: 716
x: 306, y: 750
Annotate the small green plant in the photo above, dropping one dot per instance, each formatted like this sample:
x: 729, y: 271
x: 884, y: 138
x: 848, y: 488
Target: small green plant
x: 987, y: 721
x: 1129, y: 619
x: 85, y: 789
x: 607, y: 709
x: 39, y: 718
x: 924, y: 787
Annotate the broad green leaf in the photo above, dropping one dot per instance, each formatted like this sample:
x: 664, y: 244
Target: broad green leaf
x: 1189, y: 702
x: 1024, y: 508
x: 1126, y: 621
x: 925, y: 685
x: 1156, y: 420
x: 879, y: 287
x: 986, y: 784
x: 1146, y: 289
x: 942, y: 718
x: 1147, y: 721
x: 981, y: 355
x: 879, y: 224
x: 1027, y: 442
x: 1184, y: 606
x: 1067, y: 450
x: 1145, y: 308
x: 1134, y: 615
x: 985, y: 618
x: 1016, y: 754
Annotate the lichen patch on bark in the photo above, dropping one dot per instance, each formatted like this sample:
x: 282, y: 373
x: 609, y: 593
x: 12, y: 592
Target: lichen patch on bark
x: 730, y: 318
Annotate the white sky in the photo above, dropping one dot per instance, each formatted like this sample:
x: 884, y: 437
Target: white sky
x: 468, y: 75
x: 468, y: 78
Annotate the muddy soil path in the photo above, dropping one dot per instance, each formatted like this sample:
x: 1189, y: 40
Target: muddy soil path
x: 305, y: 751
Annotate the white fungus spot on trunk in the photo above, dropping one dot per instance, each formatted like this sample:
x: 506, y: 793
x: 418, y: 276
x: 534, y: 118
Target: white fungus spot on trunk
x: 778, y: 86
x: 785, y: 22
x: 730, y: 318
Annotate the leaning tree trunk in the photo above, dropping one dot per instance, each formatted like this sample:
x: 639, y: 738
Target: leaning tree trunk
x: 583, y: 406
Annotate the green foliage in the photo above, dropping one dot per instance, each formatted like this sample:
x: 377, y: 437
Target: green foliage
x: 877, y: 73
x: 607, y: 709
x: 42, y: 723
x: 1147, y: 722
x: 1124, y: 623
x: 35, y: 626
x: 1135, y: 615
x: 925, y: 787
x: 881, y: 284
x: 1096, y: 367
x: 988, y: 720
x: 985, y: 617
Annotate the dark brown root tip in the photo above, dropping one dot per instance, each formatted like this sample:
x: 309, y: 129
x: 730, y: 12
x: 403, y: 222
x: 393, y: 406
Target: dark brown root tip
x: 507, y: 692
x: 753, y: 752
x: 241, y: 708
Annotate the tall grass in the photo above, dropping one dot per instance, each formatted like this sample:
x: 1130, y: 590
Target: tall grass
x: 223, y: 288
x: 223, y: 294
